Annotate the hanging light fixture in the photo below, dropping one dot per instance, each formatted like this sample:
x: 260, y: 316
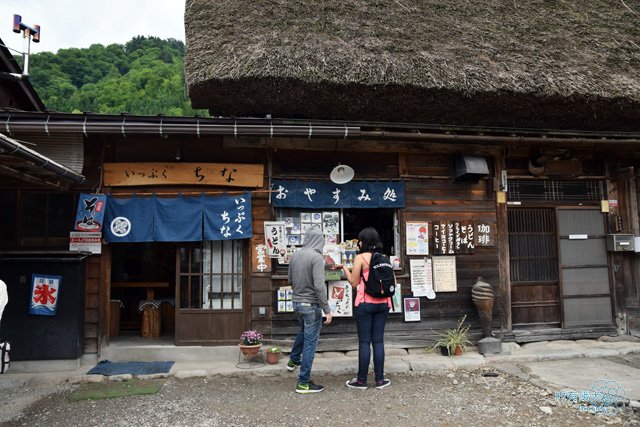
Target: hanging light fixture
x: 342, y: 174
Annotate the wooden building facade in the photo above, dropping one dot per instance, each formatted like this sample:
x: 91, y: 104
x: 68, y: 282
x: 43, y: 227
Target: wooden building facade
x: 544, y: 250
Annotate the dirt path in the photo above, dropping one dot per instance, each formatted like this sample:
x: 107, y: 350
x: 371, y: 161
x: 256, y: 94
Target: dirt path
x: 439, y: 398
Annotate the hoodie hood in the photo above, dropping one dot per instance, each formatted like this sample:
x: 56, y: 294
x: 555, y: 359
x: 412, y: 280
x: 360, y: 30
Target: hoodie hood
x: 314, y: 239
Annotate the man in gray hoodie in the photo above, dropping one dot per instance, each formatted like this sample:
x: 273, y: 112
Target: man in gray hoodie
x: 306, y: 275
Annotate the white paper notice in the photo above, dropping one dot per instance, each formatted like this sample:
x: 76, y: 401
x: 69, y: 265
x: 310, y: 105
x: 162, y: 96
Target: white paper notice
x: 421, y: 277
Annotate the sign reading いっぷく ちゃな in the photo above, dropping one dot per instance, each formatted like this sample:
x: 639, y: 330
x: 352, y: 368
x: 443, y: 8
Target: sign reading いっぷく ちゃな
x: 44, y: 294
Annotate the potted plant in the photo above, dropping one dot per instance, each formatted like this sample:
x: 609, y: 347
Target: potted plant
x: 250, y: 342
x: 273, y: 355
x: 454, y: 341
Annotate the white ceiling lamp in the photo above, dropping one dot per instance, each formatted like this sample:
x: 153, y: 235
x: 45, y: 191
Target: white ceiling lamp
x: 342, y: 174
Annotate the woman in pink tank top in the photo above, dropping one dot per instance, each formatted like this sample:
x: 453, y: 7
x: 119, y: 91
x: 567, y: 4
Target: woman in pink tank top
x: 370, y: 312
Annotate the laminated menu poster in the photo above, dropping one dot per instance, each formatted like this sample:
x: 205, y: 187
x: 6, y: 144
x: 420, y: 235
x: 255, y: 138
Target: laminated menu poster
x: 421, y: 276
x: 417, y: 238
x: 444, y: 274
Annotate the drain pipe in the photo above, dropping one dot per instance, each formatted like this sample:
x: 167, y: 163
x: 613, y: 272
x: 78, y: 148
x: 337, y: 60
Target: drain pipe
x: 11, y: 146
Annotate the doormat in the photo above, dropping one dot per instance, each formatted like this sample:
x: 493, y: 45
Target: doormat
x: 107, y: 368
x: 109, y: 390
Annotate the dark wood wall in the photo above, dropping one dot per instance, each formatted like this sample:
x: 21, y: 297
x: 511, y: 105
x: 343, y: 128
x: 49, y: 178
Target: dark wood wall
x: 92, y: 308
x: 430, y: 195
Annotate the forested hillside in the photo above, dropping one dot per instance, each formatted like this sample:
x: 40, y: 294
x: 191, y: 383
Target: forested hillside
x: 145, y: 76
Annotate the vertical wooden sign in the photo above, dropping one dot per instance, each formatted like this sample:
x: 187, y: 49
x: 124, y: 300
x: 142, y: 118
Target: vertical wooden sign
x: 451, y: 237
x: 464, y: 237
x: 441, y: 242
x: 261, y: 263
x: 485, y: 234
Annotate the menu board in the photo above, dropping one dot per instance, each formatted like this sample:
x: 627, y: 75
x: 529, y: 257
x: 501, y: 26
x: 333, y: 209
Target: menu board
x: 454, y: 237
x: 444, y: 274
x: 465, y: 241
x: 421, y: 277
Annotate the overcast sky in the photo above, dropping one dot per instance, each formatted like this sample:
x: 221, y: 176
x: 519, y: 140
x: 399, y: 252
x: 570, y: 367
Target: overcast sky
x: 81, y: 23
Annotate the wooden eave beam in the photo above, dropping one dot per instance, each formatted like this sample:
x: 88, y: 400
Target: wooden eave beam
x: 22, y: 176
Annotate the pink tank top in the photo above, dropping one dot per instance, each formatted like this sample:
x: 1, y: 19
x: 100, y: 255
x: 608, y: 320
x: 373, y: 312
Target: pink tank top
x: 362, y: 296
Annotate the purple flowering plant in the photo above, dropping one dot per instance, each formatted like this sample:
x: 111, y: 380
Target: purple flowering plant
x: 251, y: 337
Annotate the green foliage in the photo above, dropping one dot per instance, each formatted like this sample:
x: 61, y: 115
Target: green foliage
x: 145, y: 76
x: 452, y: 338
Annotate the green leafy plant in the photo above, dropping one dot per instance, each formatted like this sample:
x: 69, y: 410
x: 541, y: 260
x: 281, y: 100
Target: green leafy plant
x: 456, y: 337
x: 273, y: 349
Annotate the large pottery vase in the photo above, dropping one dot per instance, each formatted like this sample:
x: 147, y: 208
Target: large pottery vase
x: 250, y: 350
x: 482, y: 295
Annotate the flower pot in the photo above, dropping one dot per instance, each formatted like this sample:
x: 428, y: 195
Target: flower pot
x: 458, y: 350
x: 250, y: 350
x: 273, y: 358
x: 444, y: 351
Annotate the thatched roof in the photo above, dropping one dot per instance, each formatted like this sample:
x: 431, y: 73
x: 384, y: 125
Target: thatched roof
x: 534, y: 63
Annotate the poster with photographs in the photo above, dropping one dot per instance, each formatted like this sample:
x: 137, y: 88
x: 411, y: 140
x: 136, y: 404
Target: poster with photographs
x: 340, y: 298
x: 293, y: 240
x: 332, y: 255
x: 330, y: 239
x: 295, y: 227
x: 412, y: 309
x: 396, y: 300
x: 331, y: 222
x: 285, y: 304
x: 305, y: 217
x: 316, y: 217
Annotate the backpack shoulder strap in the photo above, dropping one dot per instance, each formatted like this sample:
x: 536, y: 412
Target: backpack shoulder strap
x: 362, y: 269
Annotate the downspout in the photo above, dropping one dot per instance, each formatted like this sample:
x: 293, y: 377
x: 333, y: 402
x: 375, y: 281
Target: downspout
x: 11, y: 146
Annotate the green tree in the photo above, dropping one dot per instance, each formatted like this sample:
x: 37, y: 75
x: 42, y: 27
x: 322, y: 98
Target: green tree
x: 145, y: 76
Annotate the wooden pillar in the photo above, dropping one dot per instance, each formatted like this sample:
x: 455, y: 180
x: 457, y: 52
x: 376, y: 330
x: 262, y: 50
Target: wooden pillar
x: 504, y: 288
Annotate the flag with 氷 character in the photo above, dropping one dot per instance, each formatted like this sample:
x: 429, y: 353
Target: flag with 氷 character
x: 44, y: 294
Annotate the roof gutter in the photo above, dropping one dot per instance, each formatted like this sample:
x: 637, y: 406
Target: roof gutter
x: 90, y: 124
x: 434, y: 137
x: 13, y: 147
x: 169, y: 126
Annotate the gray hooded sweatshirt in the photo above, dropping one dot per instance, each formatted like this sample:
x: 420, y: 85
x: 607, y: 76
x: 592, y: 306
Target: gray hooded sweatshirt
x: 306, y: 271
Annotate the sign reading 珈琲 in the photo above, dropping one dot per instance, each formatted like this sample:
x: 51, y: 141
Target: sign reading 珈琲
x: 222, y: 174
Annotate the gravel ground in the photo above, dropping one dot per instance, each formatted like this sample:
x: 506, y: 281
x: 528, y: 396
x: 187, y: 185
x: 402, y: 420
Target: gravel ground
x: 465, y: 397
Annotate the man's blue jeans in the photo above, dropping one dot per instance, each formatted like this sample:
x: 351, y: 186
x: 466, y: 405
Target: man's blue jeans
x: 304, y: 347
x: 370, y: 320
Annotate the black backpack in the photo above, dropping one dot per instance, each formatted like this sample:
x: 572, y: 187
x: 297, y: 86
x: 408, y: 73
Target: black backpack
x: 381, y: 282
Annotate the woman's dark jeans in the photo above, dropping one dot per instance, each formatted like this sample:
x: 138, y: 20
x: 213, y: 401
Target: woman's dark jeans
x: 370, y: 320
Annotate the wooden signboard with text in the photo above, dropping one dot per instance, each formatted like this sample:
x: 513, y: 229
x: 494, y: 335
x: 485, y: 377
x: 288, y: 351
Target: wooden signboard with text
x: 220, y: 174
x: 261, y: 263
x: 485, y: 234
